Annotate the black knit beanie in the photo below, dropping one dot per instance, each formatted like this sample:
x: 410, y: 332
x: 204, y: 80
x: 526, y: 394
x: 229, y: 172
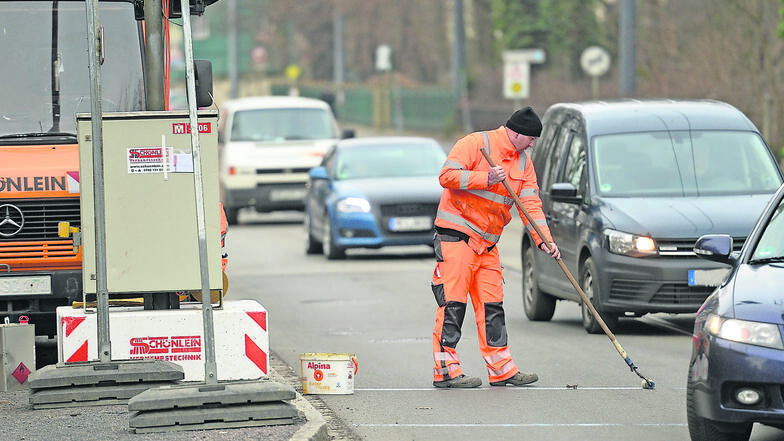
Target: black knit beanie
x: 525, y: 122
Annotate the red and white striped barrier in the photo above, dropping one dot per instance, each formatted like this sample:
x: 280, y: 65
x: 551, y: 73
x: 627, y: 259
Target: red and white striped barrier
x: 176, y: 335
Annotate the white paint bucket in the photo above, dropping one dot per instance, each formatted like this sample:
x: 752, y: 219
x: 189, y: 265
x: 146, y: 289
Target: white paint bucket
x: 324, y: 373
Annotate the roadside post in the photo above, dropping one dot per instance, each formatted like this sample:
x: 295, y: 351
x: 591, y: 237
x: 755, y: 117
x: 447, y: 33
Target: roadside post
x: 517, y: 72
x: 595, y: 61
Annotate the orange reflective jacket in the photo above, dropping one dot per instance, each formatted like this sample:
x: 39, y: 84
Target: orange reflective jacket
x: 469, y: 205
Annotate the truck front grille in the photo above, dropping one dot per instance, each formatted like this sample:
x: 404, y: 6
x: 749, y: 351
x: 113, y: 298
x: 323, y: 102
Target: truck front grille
x: 38, y: 236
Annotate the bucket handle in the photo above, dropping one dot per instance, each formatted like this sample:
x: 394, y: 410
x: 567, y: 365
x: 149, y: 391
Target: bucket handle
x: 356, y: 364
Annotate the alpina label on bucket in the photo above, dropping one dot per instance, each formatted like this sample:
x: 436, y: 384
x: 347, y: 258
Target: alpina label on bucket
x: 312, y: 365
x: 324, y: 373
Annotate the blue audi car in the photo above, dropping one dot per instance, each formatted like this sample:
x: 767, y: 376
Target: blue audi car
x: 736, y: 372
x: 373, y: 192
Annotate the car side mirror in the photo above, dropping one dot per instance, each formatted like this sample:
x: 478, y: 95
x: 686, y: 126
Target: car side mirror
x: 347, y: 133
x: 716, y: 248
x: 564, y: 192
x: 202, y: 73
x: 318, y: 173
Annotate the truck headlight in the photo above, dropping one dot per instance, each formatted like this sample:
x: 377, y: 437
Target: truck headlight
x: 353, y: 205
x: 744, y: 331
x: 630, y: 244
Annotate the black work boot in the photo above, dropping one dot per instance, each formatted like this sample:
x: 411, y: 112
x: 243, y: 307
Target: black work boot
x: 518, y: 379
x: 462, y: 381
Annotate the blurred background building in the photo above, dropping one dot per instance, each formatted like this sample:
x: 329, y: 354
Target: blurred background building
x: 439, y: 65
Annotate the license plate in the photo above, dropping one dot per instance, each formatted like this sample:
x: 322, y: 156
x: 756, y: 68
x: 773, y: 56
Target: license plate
x: 412, y: 223
x: 10, y: 286
x: 712, y: 277
x: 287, y: 194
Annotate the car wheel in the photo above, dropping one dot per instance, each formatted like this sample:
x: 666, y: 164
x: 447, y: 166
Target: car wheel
x: 703, y: 429
x: 538, y: 305
x: 312, y: 246
x: 590, y: 323
x: 331, y: 251
x: 232, y: 215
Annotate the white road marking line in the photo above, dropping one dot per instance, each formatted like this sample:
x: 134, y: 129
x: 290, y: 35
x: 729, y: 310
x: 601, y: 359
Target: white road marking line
x: 536, y: 388
x: 524, y: 425
x: 655, y: 321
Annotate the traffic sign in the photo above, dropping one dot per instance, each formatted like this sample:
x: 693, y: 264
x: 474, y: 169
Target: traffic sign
x: 383, y: 58
x: 517, y: 71
x: 595, y: 61
x: 292, y: 71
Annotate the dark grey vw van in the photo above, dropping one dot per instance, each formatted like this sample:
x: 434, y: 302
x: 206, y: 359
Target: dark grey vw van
x: 627, y: 188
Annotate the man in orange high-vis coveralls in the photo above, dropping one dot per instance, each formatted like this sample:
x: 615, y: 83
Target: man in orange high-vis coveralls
x: 474, y: 209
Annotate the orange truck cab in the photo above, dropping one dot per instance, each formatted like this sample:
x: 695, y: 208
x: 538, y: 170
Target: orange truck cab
x: 43, y: 45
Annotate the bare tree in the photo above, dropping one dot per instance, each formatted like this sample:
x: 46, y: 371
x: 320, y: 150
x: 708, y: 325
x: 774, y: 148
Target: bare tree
x: 722, y: 49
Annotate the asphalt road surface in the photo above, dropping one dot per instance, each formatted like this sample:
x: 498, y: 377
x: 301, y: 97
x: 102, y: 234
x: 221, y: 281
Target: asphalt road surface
x: 377, y: 304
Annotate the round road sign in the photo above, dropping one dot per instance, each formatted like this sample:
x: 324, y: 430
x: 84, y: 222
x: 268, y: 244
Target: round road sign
x: 595, y: 61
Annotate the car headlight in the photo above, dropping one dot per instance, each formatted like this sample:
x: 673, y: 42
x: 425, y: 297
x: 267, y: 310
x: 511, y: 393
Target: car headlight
x: 744, y: 331
x: 353, y: 205
x: 630, y: 244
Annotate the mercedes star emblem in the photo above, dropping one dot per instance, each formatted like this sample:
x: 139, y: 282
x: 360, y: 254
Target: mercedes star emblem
x: 11, y: 220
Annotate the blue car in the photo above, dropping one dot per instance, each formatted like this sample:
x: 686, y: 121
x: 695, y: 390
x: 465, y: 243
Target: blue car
x: 373, y: 192
x: 736, y: 371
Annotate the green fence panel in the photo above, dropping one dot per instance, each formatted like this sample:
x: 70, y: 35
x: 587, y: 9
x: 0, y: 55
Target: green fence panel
x: 423, y: 109
x: 357, y: 106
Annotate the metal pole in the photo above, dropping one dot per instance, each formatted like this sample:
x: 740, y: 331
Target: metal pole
x: 627, y: 49
x: 337, y: 47
x: 153, y: 54
x: 459, y: 67
x: 210, y: 369
x: 231, y: 16
x: 102, y: 293
x: 338, y: 70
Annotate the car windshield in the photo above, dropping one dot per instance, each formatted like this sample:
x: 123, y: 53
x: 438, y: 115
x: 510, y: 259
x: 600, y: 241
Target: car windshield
x: 45, y: 77
x: 265, y: 125
x: 771, y: 244
x: 390, y: 160
x: 683, y: 164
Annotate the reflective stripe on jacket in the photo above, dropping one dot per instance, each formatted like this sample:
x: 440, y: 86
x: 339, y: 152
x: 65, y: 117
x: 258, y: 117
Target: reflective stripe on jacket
x: 469, y: 205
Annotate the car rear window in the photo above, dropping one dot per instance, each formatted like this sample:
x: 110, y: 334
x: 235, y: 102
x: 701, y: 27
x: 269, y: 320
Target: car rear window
x: 683, y: 163
x: 386, y: 161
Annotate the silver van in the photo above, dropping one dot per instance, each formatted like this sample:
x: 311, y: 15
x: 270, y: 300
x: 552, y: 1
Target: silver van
x: 267, y: 145
x: 627, y: 188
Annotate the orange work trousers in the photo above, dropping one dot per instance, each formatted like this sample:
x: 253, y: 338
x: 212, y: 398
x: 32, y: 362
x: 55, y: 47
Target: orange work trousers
x: 458, y: 272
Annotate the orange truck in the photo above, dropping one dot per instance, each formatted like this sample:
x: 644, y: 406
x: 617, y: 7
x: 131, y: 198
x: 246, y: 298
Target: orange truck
x: 45, y: 73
